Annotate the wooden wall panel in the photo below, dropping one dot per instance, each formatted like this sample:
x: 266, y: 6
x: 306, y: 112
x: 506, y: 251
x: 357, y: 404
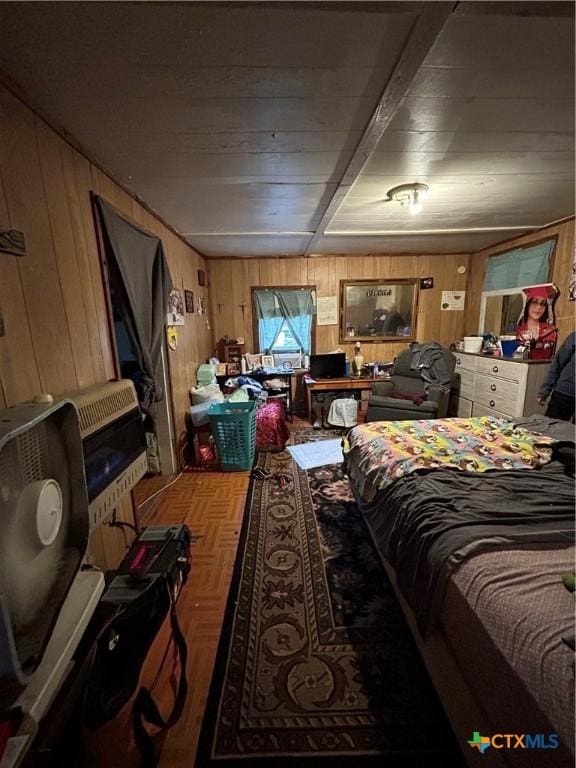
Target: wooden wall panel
x: 42, y: 291
x: 52, y: 300
x: 70, y: 273
x: 231, y: 280
x: 561, y: 272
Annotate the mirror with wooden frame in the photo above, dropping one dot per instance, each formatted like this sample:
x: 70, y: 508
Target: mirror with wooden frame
x: 378, y: 310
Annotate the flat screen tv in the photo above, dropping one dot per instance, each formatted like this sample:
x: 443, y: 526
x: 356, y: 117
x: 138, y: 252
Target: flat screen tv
x: 328, y: 366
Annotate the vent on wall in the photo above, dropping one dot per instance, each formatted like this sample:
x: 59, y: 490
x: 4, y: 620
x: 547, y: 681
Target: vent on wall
x: 104, y: 403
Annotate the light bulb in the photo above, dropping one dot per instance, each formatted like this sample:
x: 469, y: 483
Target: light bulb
x: 415, y: 204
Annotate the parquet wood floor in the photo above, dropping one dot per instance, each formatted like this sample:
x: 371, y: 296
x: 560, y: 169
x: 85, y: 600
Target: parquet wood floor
x: 212, y: 505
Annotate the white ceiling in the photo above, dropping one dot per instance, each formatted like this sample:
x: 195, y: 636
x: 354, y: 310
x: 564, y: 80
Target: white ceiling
x: 245, y: 125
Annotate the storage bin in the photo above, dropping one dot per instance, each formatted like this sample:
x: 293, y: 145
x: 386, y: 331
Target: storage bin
x: 234, y: 429
x: 472, y: 344
x: 508, y: 347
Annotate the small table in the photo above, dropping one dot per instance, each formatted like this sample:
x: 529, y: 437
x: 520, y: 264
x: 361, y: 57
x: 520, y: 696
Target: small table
x: 354, y: 383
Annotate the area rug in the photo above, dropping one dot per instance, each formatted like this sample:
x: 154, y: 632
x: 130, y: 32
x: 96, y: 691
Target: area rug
x: 316, y: 665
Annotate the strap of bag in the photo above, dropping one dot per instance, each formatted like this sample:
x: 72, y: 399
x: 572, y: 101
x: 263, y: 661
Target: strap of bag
x: 144, y: 708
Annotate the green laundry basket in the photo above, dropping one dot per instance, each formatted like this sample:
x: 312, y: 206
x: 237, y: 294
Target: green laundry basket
x: 234, y: 430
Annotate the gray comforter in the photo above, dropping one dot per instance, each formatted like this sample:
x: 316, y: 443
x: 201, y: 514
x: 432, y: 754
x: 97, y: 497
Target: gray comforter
x: 426, y: 525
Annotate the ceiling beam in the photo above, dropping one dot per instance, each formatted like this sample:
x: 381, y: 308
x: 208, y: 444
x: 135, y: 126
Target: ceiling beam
x: 422, y: 37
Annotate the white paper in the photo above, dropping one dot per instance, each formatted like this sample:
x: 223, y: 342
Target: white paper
x: 453, y: 300
x: 327, y: 310
x: 317, y: 454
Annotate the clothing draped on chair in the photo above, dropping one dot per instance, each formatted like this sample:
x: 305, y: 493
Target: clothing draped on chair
x: 430, y: 360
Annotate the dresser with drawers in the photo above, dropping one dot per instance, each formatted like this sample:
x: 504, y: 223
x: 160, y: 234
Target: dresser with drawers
x: 496, y: 386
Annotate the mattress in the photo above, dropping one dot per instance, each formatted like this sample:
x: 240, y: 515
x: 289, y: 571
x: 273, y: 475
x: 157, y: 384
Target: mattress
x: 478, y: 558
x: 504, y: 618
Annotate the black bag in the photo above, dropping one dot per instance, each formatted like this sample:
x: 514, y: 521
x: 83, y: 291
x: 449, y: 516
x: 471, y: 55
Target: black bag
x: 129, y: 631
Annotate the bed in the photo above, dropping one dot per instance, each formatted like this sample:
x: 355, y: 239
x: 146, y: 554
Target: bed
x: 474, y: 521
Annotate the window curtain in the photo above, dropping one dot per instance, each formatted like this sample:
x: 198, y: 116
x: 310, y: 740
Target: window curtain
x: 298, y: 308
x: 270, y: 318
x: 139, y: 272
x: 518, y: 268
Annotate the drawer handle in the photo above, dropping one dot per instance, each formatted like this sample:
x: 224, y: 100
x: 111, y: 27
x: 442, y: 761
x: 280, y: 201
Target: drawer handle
x: 493, y: 387
x: 492, y: 403
x: 495, y: 368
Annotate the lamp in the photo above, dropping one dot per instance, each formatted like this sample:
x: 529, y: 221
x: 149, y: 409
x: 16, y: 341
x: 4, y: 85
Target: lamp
x: 410, y: 195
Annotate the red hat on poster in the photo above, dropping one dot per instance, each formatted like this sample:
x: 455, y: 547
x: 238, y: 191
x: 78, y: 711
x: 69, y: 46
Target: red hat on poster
x: 541, y: 292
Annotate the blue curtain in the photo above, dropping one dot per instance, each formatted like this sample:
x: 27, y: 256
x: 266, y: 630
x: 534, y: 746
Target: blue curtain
x: 518, y: 268
x: 270, y: 319
x: 298, y: 308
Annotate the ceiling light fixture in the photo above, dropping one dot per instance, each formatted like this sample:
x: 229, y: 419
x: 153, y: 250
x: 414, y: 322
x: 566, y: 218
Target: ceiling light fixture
x: 410, y: 195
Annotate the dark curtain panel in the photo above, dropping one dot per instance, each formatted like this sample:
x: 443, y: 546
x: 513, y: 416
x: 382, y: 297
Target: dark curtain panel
x: 139, y: 272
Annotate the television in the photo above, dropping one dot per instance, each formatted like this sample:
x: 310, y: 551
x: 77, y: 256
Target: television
x: 328, y: 366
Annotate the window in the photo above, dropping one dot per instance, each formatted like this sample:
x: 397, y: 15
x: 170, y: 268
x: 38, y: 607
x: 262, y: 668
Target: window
x: 284, y: 319
x: 520, y: 267
x: 285, y: 341
x: 507, y: 274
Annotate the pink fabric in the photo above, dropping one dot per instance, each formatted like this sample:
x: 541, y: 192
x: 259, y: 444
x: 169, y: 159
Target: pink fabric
x: 271, y: 429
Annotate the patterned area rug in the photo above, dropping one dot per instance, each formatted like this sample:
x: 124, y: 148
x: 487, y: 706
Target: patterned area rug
x: 316, y: 664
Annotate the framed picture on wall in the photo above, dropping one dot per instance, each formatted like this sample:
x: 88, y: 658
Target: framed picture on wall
x: 189, y: 301
x: 253, y: 361
x: 175, y: 308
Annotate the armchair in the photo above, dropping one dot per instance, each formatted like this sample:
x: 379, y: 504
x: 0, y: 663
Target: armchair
x: 407, y: 381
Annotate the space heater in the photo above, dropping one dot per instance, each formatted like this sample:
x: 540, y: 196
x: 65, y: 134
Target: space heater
x: 46, y: 601
x: 114, y: 444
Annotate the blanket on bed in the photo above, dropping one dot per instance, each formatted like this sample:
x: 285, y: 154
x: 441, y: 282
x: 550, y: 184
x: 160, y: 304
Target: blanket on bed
x: 385, y: 451
x: 426, y: 525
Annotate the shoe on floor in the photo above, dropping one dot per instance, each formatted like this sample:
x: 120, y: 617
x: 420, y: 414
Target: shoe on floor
x: 260, y: 473
x: 317, y: 424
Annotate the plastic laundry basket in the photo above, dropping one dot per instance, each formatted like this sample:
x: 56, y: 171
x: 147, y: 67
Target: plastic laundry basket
x: 234, y: 429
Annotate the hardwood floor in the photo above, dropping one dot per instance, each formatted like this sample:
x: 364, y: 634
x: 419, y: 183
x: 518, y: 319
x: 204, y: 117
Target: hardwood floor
x: 212, y: 505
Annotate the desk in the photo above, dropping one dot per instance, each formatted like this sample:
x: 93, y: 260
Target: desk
x: 262, y: 376
x: 349, y: 383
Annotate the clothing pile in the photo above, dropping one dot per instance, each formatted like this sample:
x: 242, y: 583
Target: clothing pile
x: 430, y: 360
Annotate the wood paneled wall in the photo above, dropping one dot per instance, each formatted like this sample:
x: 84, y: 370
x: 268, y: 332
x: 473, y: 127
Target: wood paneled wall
x: 561, y: 271
x: 231, y: 280
x: 52, y: 299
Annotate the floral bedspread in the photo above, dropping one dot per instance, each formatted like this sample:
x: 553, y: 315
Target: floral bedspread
x: 380, y: 452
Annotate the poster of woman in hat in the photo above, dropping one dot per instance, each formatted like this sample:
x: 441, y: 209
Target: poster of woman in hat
x: 536, y: 328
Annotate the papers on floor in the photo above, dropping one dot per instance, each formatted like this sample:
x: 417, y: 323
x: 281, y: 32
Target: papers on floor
x: 317, y: 454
